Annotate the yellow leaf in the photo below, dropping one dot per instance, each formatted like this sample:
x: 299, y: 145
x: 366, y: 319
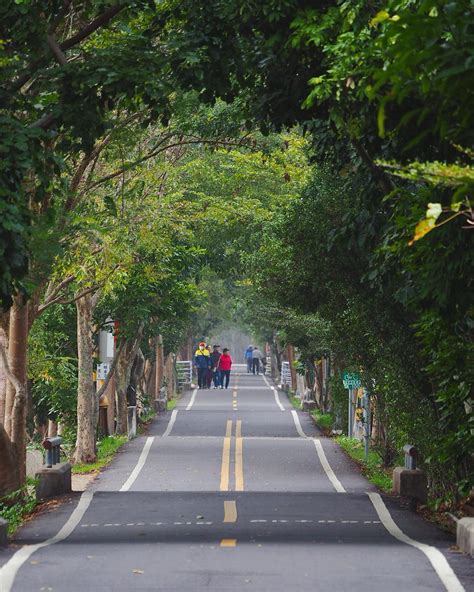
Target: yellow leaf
x: 421, y: 229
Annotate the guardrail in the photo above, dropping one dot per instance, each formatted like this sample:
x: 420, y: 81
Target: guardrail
x: 286, y: 374
x: 52, y: 448
x: 184, y: 370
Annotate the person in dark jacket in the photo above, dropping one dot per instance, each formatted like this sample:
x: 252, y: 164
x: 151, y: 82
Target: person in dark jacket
x: 202, y: 361
x: 215, y: 357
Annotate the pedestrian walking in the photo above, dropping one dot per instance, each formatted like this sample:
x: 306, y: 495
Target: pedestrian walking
x: 248, y: 358
x: 225, y: 365
x: 202, y: 361
x: 209, y: 370
x: 257, y: 356
x: 215, y: 357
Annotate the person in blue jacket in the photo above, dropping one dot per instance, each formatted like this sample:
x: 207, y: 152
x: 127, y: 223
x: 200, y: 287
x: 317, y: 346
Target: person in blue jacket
x: 248, y: 358
x: 202, y: 361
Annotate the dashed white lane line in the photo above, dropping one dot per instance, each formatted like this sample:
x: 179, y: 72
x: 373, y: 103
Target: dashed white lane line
x: 170, y: 425
x: 298, y: 427
x: 139, y: 466
x: 10, y: 569
x: 193, y: 398
x: 327, y: 467
x: 232, y: 517
x: 434, y: 555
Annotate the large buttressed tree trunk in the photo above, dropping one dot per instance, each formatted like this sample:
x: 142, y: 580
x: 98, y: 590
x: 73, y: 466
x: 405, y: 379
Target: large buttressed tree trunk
x: 87, y: 401
x: 16, y: 391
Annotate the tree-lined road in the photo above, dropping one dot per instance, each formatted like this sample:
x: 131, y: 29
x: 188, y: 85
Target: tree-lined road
x: 233, y: 490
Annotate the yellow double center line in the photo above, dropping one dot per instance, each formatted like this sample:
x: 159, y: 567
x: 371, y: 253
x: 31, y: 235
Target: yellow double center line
x: 239, y: 465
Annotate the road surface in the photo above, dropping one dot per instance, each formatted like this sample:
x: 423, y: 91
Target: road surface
x: 233, y: 490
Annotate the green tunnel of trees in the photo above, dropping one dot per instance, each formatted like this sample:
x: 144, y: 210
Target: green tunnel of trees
x: 301, y: 168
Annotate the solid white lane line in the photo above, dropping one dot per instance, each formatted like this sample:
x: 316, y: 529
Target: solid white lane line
x: 139, y: 466
x: 275, y: 393
x: 434, y: 555
x: 174, y: 413
x: 298, y: 427
x: 327, y: 467
x: 277, y: 399
x: 191, y: 402
x: 10, y: 569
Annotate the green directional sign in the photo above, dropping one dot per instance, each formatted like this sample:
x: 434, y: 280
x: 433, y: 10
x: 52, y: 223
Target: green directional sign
x: 351, y: 380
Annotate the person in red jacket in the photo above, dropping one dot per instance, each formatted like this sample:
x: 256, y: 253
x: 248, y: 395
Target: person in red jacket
x: 225, y: 365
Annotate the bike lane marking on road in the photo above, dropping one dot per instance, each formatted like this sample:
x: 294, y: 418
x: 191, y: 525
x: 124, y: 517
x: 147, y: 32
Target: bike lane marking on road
x: 239, y: 459
x: 174, y: 413
x: 327, y: 467
x: 230, y: 511
x: 435, y: 557
x: 225, y: 466
x: 139, y: 466
x: 193, y: 398
x: 10, y: 569
x: 298, y: 427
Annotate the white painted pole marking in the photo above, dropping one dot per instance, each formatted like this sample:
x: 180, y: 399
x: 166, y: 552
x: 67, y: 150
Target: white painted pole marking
x: 10, y: 569
x: 139, y: 466
x: 434, y: 555
x: 327, y: 467
x: 298, y: 427
x: 174, y: 413
x: 191, y: 402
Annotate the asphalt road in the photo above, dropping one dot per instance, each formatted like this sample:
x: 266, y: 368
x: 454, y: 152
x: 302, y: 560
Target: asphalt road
x: 233, y: 490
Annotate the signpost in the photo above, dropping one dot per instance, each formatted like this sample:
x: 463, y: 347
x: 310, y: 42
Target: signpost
x: 351, y: 381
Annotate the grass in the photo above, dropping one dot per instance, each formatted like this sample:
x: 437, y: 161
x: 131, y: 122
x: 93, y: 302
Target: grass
x: 323, y: 420
x: 15, y: 506
x: 171, y: 404
x: 294, y: 400
x: 372, y: 467
x: 105, y: 452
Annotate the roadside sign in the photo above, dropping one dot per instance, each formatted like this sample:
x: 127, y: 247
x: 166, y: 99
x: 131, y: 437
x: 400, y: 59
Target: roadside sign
x: 102, y: 371
x: 351, y: 380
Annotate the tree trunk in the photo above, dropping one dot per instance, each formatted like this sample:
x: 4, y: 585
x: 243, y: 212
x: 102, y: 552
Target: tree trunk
x: 291, y: 359
x: 122, y: 378
x: 170, y: 376
x: 87, y: 401
x: 159, y: 366
x: 4, y: 330
x: 9, y: 473
x: 16, y: 394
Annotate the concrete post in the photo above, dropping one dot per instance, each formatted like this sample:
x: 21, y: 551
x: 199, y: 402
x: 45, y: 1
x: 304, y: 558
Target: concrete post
x: 132, y: 422
x: 465, y: 535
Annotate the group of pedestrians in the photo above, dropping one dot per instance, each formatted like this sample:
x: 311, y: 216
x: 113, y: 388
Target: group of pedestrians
x: 254, y: 358
x: 213, y: 368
